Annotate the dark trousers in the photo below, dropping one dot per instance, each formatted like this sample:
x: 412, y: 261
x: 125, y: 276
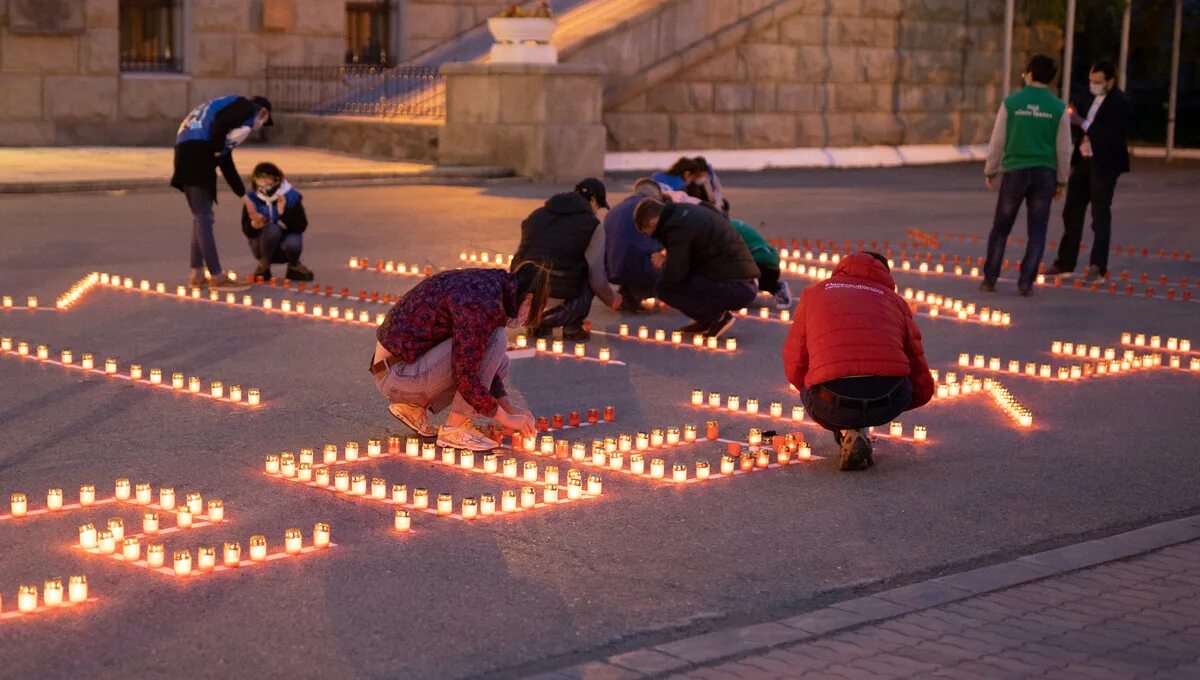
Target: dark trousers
x: 637, y: 288
x: 768, y: 279
x: 569, y: 313
x: 868, y: 401
x: 705, y: 299
x: 204, y: 244
x: 1087, y: 185
x: 1035, y: 188
x: 274, y: 245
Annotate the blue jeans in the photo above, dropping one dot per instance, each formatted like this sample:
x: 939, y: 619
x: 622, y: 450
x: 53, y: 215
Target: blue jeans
x: 1035, y: 188
x: 274, y: 245
x: 705, y: 299
x: 430, y: 381
x: 204, y: 245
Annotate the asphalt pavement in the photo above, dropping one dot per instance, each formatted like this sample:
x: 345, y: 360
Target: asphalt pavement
x: 645, y: 564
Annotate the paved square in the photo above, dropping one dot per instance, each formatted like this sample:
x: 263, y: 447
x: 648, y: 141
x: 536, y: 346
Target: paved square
x: 1005, y: 462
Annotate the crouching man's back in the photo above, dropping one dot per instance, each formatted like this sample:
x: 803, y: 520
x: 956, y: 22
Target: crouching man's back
x: 855, y: 354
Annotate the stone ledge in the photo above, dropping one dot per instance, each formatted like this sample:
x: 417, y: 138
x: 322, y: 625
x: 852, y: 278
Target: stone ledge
x: 471, y: 68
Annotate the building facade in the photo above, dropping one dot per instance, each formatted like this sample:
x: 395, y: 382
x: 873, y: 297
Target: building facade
x: 679, y: 74
x: 127, y: 71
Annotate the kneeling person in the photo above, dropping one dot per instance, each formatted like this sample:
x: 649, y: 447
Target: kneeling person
x: 443, y: 345
x: 275, y: 226
x: 708, y: 270
x: 855, y: 354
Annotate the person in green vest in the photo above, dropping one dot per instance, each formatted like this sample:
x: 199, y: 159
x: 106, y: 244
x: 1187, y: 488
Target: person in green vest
x: 1031, y: 148
x: 767, y: 259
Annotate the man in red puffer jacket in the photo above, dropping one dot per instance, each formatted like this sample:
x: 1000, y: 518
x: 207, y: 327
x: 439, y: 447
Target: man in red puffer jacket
x: 855, y: 354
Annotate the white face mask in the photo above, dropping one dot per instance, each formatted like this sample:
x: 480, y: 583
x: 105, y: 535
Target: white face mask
x: 1098, y: 90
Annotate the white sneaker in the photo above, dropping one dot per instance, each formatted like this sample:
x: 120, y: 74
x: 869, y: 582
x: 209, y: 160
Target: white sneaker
x: 783, y: 297
x: 464, y: 437
x: 415, y: 417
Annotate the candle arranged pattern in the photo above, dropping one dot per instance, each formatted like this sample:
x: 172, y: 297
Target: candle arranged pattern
x: 661, y: 336
x: 626, y: 453
x: 558, y: 349
x: 307, y: 471
x: 206, y: 560
x: 140, y: 494
x: 795, y: 415
x: 1109, y: 366
x: 55, y: 596
x: 465, y: 260
x: 214, y: 390
x: 1180, y: 345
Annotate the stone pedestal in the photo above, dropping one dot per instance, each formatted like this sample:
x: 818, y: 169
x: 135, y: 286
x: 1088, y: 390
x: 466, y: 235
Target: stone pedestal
x: 542, y: 120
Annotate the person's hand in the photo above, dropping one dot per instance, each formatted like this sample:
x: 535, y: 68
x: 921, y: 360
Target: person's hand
x: 987, y: 181
x: 616, y: 301
x: 521, y: 421
x: 280, y: 203
x: 1058, y: 193
x: 258, y: 220
x: 657, y: 259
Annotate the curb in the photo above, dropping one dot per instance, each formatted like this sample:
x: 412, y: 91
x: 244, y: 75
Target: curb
x: 702, y: 650
x: 441, y: 175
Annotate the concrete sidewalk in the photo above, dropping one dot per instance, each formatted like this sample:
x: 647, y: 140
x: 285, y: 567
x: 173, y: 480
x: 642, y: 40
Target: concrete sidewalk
x: 61, y: 169
x: 1126, y: 606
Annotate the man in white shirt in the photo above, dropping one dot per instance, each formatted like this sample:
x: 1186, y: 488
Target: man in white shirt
x: 1101, y: 155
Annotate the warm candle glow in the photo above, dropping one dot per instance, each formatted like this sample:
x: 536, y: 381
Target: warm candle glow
x: 258, y: 548
x: 156, y: 555
x: 87, y: 536
x: 77, y: 589
x: 183, y: 563
x: 131, y: 549
x: 27, y: 598
x: 293, y: 541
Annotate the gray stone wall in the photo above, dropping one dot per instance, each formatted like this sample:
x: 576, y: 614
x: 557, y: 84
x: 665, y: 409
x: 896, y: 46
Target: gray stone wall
x: 414, y: 140
x: 429, y: 23
x: 825, y: 73
x: 66, y: 88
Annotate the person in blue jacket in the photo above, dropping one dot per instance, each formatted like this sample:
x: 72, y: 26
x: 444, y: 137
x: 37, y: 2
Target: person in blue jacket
x: 695, y: 178
x: 205, y: 142
x: 275, y: 225
x: 629, y: 254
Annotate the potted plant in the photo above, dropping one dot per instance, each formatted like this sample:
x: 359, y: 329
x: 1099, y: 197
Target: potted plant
x: 522, y: 35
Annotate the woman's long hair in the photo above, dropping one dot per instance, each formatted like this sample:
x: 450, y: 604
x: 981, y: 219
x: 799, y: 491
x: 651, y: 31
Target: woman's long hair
x: 533, y: 278
x: 689, y: 165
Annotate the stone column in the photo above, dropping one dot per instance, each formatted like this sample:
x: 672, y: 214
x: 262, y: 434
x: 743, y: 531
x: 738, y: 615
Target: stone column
x: 542, y: 120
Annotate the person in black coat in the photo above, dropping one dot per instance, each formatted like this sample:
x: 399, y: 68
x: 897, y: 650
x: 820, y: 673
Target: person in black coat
x: 563, y: 236
x: 708, y: 271
x: 1101, y: 156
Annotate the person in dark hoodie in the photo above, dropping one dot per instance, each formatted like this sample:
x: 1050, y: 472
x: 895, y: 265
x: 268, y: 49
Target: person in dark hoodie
x: 707, y: 271
x: 205, y: 142
x: 628, y: 252
x: 856, y: 355
x: 562, y: 235
x: 274, y: 228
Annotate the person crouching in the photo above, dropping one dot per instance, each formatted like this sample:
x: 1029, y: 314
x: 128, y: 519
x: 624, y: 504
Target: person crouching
x: 855, y: 354
x: 274, y: 229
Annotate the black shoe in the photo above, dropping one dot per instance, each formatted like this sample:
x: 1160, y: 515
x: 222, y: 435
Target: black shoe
x: 542, y: 332
x: 721, y: 325
x: 577, y: 334
x: 261, y: 272
x: 1054, y: 270
x: 629, y: 302
x: 988, y: 286
x: 298, y: 272
x: 856, y: 452
x: 1025, y: 292
x: 694, y: 327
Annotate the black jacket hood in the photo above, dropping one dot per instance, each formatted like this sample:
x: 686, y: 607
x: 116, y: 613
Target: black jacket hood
x: 568, y: 203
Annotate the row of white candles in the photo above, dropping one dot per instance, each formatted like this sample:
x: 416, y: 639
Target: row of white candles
x: 87, y: 362
x: 751, y: 405
x: 499, y: 259
x: 1074, y: 372
x: 613, y: 452
x: 206, y: 556
x: 393, y: 267
x: 1007, y: 403
x: 795, y: 267
x: 676, y: 338
x: 1127, y: 357
x: 734, y: 403
x: 138, y: 494
x: 52, y: 594
x: 960, y: 308
x: 285, y: 306
x: 286, y: 465
x: 1156, y: 342
x: 558, y: 347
